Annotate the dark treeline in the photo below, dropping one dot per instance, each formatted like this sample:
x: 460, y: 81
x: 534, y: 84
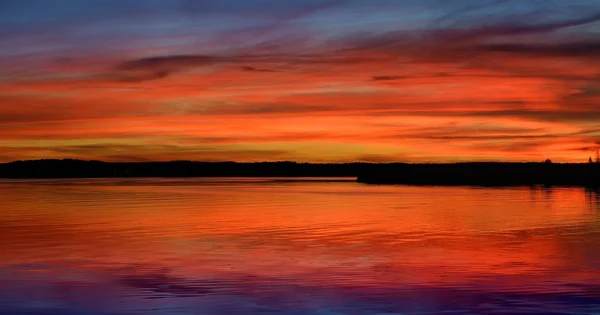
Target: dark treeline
x: 487, y: 174
x: 94, y: 169
x: 476, y: 173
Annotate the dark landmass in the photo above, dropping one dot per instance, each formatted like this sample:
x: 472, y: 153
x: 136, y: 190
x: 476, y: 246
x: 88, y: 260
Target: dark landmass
x: 487, y: 174
x: 96, y: 169
x: 476, y: 173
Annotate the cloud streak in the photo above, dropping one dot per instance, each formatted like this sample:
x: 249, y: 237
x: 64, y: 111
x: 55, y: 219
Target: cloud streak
x: 479, y: 81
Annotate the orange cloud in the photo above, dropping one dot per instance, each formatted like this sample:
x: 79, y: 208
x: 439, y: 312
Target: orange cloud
x: 479, y: 93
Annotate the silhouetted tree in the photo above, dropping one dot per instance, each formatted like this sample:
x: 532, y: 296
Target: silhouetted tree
x: 548, y: 161
x: 590, y: 160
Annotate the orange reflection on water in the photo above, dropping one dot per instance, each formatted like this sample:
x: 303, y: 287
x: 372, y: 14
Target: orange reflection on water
x: 249, y: 234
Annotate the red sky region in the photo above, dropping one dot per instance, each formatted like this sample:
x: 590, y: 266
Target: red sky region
x: 492, y: 85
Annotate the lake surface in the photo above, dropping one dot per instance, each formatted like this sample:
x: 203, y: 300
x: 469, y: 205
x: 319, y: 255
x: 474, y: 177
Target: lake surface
x: 267, y: 246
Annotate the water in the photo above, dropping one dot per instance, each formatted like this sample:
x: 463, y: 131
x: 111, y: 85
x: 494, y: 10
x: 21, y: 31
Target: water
x: 265, y: 246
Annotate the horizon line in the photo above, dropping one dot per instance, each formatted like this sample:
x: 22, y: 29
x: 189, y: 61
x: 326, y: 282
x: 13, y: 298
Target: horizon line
x: 288, y: 161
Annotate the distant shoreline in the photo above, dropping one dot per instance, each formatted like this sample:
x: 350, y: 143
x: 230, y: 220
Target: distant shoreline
x: 446, y: 174
x: 69, y: 168
x: 487, y: 174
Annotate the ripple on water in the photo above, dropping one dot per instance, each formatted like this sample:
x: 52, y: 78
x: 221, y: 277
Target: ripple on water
x: 256, y: 246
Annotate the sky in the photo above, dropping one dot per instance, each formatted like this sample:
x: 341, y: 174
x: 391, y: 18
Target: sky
x: 300, y: 80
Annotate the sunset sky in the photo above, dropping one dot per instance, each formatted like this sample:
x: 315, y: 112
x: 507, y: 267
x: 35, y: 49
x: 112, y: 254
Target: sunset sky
x: 303, y: 80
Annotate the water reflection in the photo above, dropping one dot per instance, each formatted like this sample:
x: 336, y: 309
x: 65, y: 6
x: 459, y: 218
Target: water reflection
x: 255, y: 246
x: 592, y: 197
